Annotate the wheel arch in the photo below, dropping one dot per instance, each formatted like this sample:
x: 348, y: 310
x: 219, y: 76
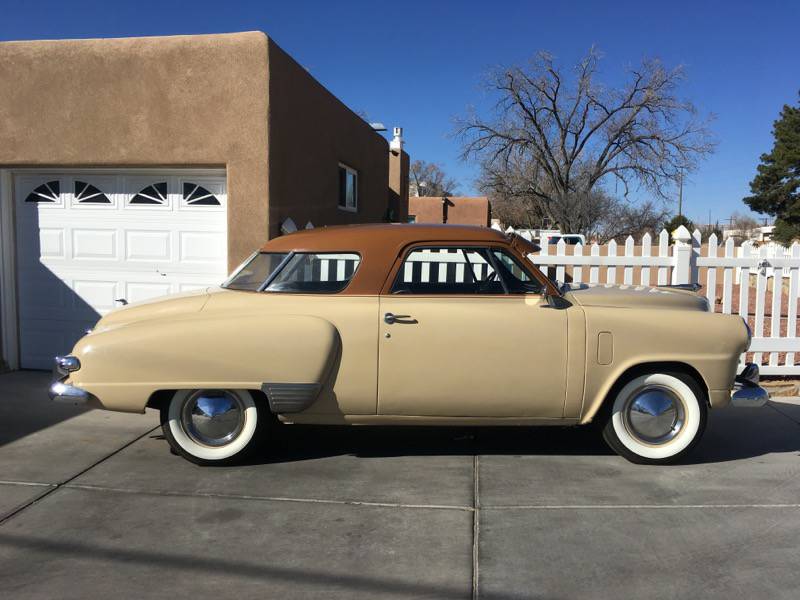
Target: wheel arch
x: 605, y: 397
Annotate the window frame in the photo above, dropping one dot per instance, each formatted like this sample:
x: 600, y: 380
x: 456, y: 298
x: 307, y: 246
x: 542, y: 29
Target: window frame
x: 397, y: 267
x: 348, y: 171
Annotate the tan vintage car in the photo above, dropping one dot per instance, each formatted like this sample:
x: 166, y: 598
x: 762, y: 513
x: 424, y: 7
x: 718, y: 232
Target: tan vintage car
x: 417, y: 325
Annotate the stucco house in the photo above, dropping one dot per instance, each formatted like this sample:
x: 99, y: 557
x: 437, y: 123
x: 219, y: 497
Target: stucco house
x: 131, y: 168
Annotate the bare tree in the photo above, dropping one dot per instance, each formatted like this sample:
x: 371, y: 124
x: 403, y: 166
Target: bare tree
x: 428, y: 179
x: 559, y: 136
x: 623, y: 219
x: 594, y: 213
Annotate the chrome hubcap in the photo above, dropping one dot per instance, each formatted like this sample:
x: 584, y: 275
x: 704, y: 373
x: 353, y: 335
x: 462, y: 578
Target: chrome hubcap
x: 212, y: 417
x: 654, y: 415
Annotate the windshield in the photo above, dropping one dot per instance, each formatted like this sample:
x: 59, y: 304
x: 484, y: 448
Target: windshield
x: 253, y: 272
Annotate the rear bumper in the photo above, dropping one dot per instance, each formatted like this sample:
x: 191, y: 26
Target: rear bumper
x: 747, y: 393
x: 63, y: 392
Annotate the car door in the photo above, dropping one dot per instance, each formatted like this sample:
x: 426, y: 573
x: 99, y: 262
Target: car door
x: 467, y: 332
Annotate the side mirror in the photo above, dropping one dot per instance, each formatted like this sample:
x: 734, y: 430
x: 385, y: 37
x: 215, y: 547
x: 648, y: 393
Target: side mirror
x: 556, y: 302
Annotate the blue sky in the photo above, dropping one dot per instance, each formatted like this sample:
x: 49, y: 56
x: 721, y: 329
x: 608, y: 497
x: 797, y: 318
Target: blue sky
x: 419, y: 64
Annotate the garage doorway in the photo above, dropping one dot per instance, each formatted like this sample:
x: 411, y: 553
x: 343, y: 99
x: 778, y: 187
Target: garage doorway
x: 87, y: 240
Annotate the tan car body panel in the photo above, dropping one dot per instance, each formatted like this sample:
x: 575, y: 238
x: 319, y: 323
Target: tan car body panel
x: 499, y: 360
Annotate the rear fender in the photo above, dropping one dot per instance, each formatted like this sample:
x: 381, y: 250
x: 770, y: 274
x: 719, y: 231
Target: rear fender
x: 123, y: 367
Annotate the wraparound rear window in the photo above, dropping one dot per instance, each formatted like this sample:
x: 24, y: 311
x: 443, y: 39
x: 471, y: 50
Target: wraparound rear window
x: 296, y: 272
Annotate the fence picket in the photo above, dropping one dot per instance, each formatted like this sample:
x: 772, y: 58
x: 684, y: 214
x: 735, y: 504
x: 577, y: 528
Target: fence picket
x: 594, y: 271
x: 544, y: 252
x: 711, y: 274
x: 663, y: 250
x: 761, y: 293
x: 561, y: 250
x: 775, y: 320
x: 611, y: 272
x: 727, y: 279
x: 791, y: 313
x: 646, y: 243
x: 627, y: 272
x: 577, y: 270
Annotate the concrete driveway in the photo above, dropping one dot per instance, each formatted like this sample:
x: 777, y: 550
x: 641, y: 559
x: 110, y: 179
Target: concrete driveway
x: 92, y: 504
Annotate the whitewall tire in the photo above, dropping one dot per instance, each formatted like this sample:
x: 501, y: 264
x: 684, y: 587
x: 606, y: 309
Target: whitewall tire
x: 656, y: 418
x: 213, y: 427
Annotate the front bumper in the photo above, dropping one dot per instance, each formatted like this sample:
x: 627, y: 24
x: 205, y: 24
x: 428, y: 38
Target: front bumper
x: 63, y: 392
x: 747, y: 393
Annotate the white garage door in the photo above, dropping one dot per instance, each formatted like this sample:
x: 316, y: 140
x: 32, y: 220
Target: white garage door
x: 86, y: 239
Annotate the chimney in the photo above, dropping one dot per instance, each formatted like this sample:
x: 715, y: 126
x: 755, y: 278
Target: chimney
x: 396, y: 145
x: 398, y: 179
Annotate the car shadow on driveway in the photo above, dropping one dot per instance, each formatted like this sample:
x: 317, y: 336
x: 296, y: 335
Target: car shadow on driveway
x: 732, y: 434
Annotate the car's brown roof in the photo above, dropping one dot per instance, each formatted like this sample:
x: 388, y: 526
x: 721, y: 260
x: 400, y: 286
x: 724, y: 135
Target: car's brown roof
x: 363, y: 237
x: 378, y: 244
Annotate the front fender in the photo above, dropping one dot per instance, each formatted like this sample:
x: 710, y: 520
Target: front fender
x: 122, y: 367
x: 710, y: 344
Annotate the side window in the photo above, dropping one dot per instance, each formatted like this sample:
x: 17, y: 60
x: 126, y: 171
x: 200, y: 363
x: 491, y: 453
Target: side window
x: 517, y: 278
x: 447, y: 271
x: 309, y: 273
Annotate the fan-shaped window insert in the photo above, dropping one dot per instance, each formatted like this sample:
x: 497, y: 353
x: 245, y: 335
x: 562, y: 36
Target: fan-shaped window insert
x: 152, y: 194
x: 86, y: 193
x: 196, y: 195
x: 47, y: 192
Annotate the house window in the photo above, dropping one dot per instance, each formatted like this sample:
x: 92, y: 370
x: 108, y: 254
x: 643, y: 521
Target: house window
x: 348, y: 188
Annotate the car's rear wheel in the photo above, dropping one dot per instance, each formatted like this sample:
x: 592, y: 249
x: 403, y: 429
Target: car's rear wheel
x: 656, y: 418
x: 214, y: 427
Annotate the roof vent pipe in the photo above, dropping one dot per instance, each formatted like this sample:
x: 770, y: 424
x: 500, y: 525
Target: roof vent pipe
x: 396, y: 145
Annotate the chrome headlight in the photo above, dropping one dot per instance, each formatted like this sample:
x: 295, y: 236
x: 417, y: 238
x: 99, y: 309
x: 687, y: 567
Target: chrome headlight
x: 67, y: 364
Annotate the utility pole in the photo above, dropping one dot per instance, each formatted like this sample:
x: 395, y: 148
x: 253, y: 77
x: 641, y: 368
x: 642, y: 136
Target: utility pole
x: 680, y: 193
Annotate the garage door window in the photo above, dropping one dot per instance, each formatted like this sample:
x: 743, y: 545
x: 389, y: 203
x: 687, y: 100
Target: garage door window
x: 196, y: 195
x: 152, y: 194
x: 86, y: 193
x: 47, y: 192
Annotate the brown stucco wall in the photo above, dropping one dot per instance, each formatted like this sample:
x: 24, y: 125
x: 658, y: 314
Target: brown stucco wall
x: 158, y: 101
x: 461, y: 210
x: 310, y: 132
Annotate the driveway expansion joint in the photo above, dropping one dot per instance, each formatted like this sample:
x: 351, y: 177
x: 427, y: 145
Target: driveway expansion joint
x: 476, y: 526
x: 163, y: 493
x: 56, y: 486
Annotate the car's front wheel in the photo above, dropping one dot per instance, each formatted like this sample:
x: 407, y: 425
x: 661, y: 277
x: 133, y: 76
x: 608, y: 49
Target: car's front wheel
x: 214, y: 427
x: 656, y: 418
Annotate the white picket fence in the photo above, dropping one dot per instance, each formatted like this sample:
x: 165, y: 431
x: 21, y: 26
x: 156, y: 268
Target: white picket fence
x: 757, y: 272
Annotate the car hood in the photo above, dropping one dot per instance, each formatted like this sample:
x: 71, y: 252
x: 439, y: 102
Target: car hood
x: 163, y: 306
x: 630, y: 296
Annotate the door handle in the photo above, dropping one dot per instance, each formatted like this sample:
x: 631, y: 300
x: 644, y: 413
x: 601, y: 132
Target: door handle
x: 391, y: 319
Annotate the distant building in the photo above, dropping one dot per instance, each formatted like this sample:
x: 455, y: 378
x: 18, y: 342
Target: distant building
x: 758, y: 234
x: 455, y: 210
